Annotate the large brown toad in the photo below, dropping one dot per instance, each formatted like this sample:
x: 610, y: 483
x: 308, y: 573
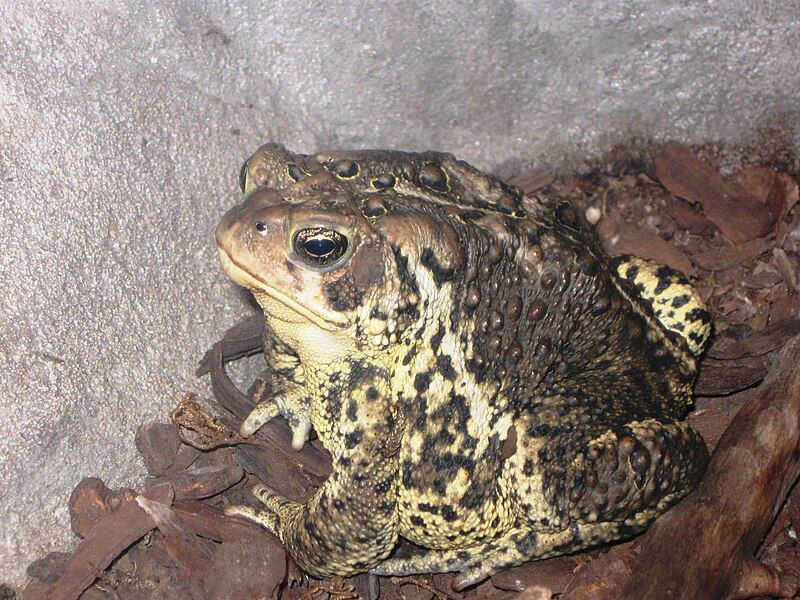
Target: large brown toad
x: 489, y: 384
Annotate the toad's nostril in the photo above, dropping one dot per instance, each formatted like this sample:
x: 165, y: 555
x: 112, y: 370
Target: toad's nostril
x: 261, y: 226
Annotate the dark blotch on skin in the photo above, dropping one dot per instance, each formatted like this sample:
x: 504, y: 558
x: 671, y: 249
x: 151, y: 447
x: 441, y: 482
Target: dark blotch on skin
x: 698, y: 314
x: 448, y: 513
x: 367, y: 268
x: 445, y: 365
x: 352, y: 439
x: 425, y: 507
x: 352, y: 410
x: 436, y: 340
x: 422, y: 381
x: 440, y: 274
x: 342, y: 294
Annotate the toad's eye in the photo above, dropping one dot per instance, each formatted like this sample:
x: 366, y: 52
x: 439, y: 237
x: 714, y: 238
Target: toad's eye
x: 319, y: 247
x: 243, y: 175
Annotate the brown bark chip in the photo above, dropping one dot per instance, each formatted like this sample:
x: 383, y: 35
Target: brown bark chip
x: 203, y: 482
x: 553, y: 574
x: 740, y: 217
x: 757, y: 343
x: 619, y: 237
x: 88, y: 504
x: 246, y: 568
x: 719, y: 259
x: 158, y: 444
x: 105, y: 542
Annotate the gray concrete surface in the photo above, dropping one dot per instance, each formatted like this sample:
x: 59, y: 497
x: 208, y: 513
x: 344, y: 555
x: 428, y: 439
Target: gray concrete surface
x: 122, y: 127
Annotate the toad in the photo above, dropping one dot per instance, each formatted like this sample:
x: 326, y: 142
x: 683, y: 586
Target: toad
x: 489, y: 384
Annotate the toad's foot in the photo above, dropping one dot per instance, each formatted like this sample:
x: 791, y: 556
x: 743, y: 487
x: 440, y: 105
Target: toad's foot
x: 269, y: 517
x: 292, y: 404
x: 474, y: 564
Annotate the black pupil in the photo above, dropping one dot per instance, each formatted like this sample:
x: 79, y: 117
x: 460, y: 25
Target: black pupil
x: 319, y: 246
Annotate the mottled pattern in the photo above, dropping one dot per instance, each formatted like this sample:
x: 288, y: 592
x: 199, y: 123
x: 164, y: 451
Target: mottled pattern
x: 489, y: 385
x: 674, y: 301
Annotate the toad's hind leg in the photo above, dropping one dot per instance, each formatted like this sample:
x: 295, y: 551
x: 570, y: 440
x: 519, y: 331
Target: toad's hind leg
x: 606, y: 489
x: 630, y: 469
x: 676, y: 304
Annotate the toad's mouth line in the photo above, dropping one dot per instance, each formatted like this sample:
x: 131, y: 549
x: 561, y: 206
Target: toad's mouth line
x: 245, y: 278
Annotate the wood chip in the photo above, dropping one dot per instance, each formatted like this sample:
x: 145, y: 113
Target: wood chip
x: 205, y: 481
x: 286, y: 475
x: 711, y: 416
x: 188, y: 550
x: 105, y: 542
x: 762, y: 276
x: 787, y: 269
x: 553, y: 574
x: 602, y: 578
x: 740, y: 218
x: 619, y: 237
x: 246, y: 568
x: 776, y: 191
x: 726, y: 257
x: 757, y: 343
x: 688, y: 218
x: 88, y: 503
x: 720, y: 378
x: 48, y: 569
x: 243, y: 339
x: 158, y: 444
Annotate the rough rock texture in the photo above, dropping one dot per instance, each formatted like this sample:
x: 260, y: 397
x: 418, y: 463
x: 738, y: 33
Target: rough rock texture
x: 123, y: 125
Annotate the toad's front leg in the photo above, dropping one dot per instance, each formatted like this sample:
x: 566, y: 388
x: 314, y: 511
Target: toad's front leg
x: 350, y: 524
x: 291, y: 401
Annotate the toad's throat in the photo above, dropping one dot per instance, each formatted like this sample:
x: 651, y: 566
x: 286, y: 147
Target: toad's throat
x: 239, y: 274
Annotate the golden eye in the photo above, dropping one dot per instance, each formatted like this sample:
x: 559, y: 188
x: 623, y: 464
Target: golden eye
x: 319, y: 246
